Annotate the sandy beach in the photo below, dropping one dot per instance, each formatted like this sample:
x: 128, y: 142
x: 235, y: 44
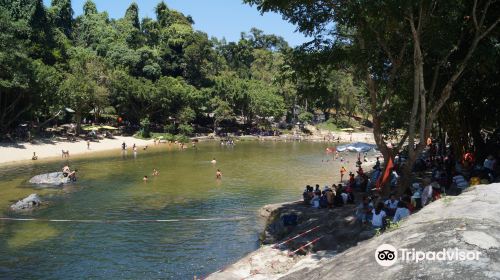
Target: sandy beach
x: 23, y: 151
x: 46, y: 149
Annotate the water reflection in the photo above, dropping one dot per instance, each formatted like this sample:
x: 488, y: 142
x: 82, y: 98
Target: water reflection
x: 110, y: 187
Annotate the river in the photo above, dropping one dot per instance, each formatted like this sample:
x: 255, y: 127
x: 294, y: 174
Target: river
x: 206, y: 223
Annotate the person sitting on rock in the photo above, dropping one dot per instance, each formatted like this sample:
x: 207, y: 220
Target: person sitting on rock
x: 378, y: 216
x: 338, y: 200
x: 364, y: 210
x: 391, y: 205
x: 330, y: 197
x: 72, y: 175
x: 426, y: 196
x: 315, y: 200
x: 66, y: 171
x: 401, y: 212
x: 307, y: 194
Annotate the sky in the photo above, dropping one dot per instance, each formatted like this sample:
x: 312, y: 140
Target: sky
x: 218, y: 18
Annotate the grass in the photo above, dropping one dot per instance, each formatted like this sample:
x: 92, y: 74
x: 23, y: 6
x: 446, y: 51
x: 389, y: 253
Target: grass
x: 336, y: 125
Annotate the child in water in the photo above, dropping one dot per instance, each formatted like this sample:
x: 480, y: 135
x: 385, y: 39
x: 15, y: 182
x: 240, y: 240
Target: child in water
x: 145, y: 179
x: 218, y: 174
x: 155, y: 172
x: 213, y: 161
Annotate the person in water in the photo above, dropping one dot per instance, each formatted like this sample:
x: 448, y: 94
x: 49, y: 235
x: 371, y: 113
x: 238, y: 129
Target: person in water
x: 34, y: 157
x: 124, y: 146
x: 66, y: 171
x: 342, y: 172
x: 213, y: 161
x: 156, y: 172
x: 218, y: 174
x: 72, y: 175
x: 145, y: 179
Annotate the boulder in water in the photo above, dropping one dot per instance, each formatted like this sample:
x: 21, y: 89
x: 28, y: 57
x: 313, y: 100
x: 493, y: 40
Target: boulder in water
x: 54, y: 178
x: 30, y: 202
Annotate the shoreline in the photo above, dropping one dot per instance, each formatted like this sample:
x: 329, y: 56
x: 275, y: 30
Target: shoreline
x: 19, y: 153
x: 45, y: 149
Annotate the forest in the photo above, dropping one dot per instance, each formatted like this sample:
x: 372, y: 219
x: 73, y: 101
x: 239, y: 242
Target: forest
x: 411, y: 70
x: 159, y: 73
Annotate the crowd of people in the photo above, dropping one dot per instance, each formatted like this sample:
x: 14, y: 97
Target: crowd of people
x: 436, y: 174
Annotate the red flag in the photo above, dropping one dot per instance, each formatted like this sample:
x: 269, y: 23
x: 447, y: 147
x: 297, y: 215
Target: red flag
x: 387, y: 173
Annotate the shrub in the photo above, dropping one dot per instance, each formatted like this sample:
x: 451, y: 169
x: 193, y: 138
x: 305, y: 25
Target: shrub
x: 145, y: 129
x: 306, y: 117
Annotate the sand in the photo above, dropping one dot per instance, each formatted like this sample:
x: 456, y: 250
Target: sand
x: 46, y: 149
x: 14, y: 153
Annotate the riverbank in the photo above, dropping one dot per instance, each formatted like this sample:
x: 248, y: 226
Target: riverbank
x: 48, y: 149
x: 467, y: 222
x: 13, y: 153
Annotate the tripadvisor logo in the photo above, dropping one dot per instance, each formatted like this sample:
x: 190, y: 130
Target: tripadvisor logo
x: 387, y: 255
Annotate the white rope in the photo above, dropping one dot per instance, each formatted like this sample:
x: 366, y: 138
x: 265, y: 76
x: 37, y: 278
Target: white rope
x: 122, y: 221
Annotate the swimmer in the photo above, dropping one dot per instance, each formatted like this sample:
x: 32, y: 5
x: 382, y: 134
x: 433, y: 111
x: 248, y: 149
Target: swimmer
x: 34, y: 157
x: 72, y: 175
x: 66, y: 171
x: 155, y: 172
x: 145, y: 179
x: 342, y: 172
x: 218, y: 174
x: 213, y: 161
x: 145, y: 147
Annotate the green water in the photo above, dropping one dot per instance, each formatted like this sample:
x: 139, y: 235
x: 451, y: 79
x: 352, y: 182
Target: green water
x: 110, y: 188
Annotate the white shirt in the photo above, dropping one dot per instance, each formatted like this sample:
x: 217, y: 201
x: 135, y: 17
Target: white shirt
x: 378, y: 220
x: 391, y: 204
x: 401, y: 213
x: 426, y: 194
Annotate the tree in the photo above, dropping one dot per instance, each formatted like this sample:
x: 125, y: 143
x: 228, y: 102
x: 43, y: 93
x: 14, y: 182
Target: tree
x: 63, y: 15
x: 378, y: 37
x: 132, y: 15
x: 89, y: 8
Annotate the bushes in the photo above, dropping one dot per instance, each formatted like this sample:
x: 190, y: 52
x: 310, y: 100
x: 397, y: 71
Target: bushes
x: 145, y: 128
x: 306, y: 117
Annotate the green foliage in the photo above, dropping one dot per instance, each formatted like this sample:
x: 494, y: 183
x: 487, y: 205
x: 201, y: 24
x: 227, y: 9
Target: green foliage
x: 306, y: 117
x: 145, y: 128
x: 186, y: 129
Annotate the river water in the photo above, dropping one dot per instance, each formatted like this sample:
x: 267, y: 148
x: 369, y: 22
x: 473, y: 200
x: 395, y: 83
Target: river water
x: 115, y: 237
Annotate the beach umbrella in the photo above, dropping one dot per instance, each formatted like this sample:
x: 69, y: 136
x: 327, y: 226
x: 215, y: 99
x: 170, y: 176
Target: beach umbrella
x: 90, y: 128
x: 348, y: 129
x: 108, y: 127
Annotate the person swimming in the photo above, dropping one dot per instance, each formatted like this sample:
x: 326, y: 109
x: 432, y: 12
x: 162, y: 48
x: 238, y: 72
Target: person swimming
x: 72, y: 175
x: 156, y: 172
x: 145, y: 179
x: 218, y: 174
x: 66, y: 171
x: 213, y: 161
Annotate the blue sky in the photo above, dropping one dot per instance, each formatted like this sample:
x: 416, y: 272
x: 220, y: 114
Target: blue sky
x: 219, y: 18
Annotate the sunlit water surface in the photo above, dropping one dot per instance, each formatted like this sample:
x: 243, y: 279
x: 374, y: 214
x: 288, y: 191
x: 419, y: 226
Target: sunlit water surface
x: 110, y: 189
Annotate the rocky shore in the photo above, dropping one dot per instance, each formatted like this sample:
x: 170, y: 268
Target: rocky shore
x: 468, y: 222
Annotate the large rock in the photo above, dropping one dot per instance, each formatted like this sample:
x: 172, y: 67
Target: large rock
x: 54, y: 179
x: 469, y: 222
x: 30, y: 202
